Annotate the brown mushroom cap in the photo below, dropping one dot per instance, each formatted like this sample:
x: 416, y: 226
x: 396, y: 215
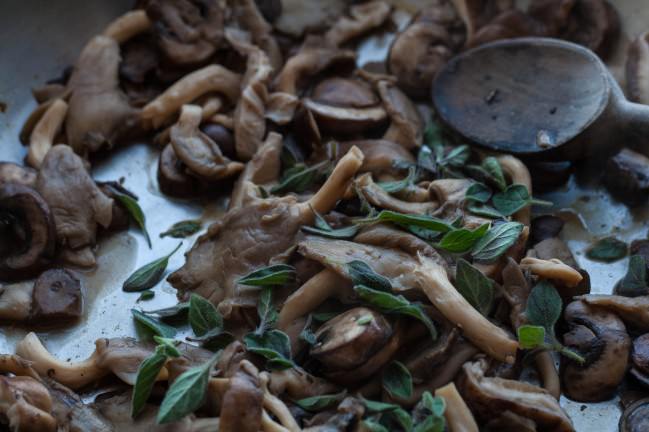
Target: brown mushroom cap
x: 30, y: 228
x: 172, y: 177
x: 351, y: 338
x: 344, y: 92
x: 57, y: 296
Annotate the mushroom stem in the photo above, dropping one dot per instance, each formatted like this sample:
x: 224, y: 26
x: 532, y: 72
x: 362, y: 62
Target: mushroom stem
x: 331, y: 191
x: 42, y: 137
x: 493, y: 340
x: 274, y: 405
x: 518, y: 173
x: 128, y: 25
x: 213, y: 78
x: 72, y: 375
x: 310, y: 295
x: 457, y: 413
x: 552, y: 269
x: 549, y: 375
x: 270, y: 425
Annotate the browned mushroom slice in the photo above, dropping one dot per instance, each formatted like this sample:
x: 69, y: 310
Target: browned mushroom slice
x: 26, y: 404
x: 345, y: 120
x: 637, y: 70
x: 213, y: 78
x: 128, y: 25
x: 633, y: 311
x: 28, y: 226
x: 380, y: 155
x: 344, y: 92
x: 57, y: 297
x: 391, y: 237
x: 627, y: 177
x: 377, y: 196
x: 261, y: 32
x: 197, y: 151
x: 264, y: 231
x: 406, y: 126
x: 172, y: 175
x: 187, y: 31
x: 14, y: 173
x: 511, y: 23
x: 99, y: 112
x: 298, y: 384
x: 601, y: 337
x: 449, y: 193
x: 362, y: 19
x: 122, y: 356
x: 263, y: 168
x: 45, y: 131
x: 241, y: 409
x: 76, y: 202
x: 484, y: 395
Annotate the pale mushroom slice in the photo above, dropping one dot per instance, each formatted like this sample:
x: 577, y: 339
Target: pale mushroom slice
x: 26, y: 404
x: 406, y: 125
x: 263, y: 232
x: 457, y: 414
x: 243, y: 401
x: 196, y: 150
x: 449, y: 193
x: 362, y: 19
x: 632, y: 310
x: 276, y: 407
x: 378, y: 197
x: 484, y: 395
x: 48, y: 127
x: 552, y: 269
x: 298, y: 384
x: 261, y: 32
x: 128, y: 26
x: 212, y: 78
x: 301, y: 16
x: 637, y: 69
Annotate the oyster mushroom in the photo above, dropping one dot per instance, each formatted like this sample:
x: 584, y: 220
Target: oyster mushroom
x: 128, y: 25
x: 375, y: 195
x: 251, y: 18
x: 242, y: 405
x: 172, y: 175
x: 457, y: 414
x: 197, y: 151
x: 640, y: 359
x: 14, y: 173
x: 301, y: 16
x: 603, y: 340
x: 57, y: 297
x: 298, y: 384
x: 28, y: 226
x: 637, y: 70
x: 552, y: 269
x: 634, y: 311
x: 42, y: 137
x: 380, y: 155
x: 16, y: 301
x: 213, y: 78
x: 406, y: 125
x: 350, y: 339
x: 276, y: 407
x: 362, y: 19
x: 99, y: 113
x: 26, y: 404
x: 635, y: 417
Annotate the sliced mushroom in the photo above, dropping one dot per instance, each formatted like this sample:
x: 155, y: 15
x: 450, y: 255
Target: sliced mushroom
x: 14, y: 173
x: 457, y: 414
x: 241, y: 409
x: 637, y: 70
x: 375, y: 195
x: 251, y: 18
x: 406, y: 125
x: 627, y: 177
x: 601, y: 337
x: 635, y: 417
x: 476, y: 14
x: 28, y: 227
x: 57, y: 297
x: 26, y: 404
x: 363, y: 18
x: 301, y: 16
x: 298, y: 384
x: 213, y: 78
x: 99, y: 113
x: 16, y: 301
x: 633, y: 311
x: 187, y: 31
x: 345, y: 120
x: 172, y: 175
x: 640, y: 359
x: 552, y: 269
x: 380, y: 155
x: 486, y: 395
x: 197, y: 151
x: 45, y: 131
x: 546, y: 227
x: 391, y: 237
x: 122, y: 357
x: 276, y: 407
x: 449, y: 193
x: 128, y: 25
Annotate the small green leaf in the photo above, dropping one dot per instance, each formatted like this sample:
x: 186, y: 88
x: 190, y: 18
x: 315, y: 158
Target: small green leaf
x: 478, y: 192
x: 495, y: 171
x: 398, y: 419
x: 409, y: 220
x: 340, y: 233
x: 157, y: 327
x: 273, y: 345
x: 431, y: 424
x: 177, y: 312
x: 544, y: 306
x: 265, y: 310
x: 399, y: 185
x: 397, y: 380
x: 145, y: 295
x: 457, y: 157
x: 214, y: 340
x: 182, y: 229
x: 321, y: 403
x: 634, y: 282
x: 147, y: 373
x: 135, y: 211
x: 274, y: 275
x: 203, y: 316
x: 512, y: 199
x: 378, y: 407
x: 475, y: 287
x: 148, y: 275
x: 462, y: 240
x: 531, y: 336
x: 497, y: 241
x: 364, y: 320
x: 299, y: 178
x: 187, y: 393
x: 484, y: 210
x: 167, y: 346
x: 436, y: 405
x: 373, y: 426
x: 608, y: 249
x: 320, y: 222
x: 362, y: 274
x: 394, y: 304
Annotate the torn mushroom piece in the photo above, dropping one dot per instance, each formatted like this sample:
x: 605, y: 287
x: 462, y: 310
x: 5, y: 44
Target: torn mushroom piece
x: 362, y: 19
x: 263, y: 231
x: 14, y: 173
x: 242, y: 405
x: 457, y: 414
x: 251, y: 18
x: 128, y: 25
x: 633, y: 311
x: 377, y: 196
x: 552, y: 269
x: 45, y: 131
x: 197, y: 151
x: 601, y: 337
x: 640, y: 359
x: 406, y: 125
x: 25, y: 404
x: 380, y: 155
x: 27, y: 227
x: 637, y: 69
x: 16, y: 301
x: 57, y: 297
x: 484, y: 395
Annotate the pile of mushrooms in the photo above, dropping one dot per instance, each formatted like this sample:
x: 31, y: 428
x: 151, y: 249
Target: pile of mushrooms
x: 330, y: 167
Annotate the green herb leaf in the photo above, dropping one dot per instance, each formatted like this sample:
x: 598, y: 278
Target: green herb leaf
x: 364, y: 320
x: 299, y: 178
x: 398, y: 419
x: 484, y: 210
x: 177, y: 312
x: 148, y: 275
x: 436, y: 405
x: 267, y: 313
x: 307, y: 335
x: 394, y: 304
x: 182, y: 229
x: 478, y: 192
x: 531, y: 336
x: 409, y: 220
x: 544, y: 306
x: 497, y: 241
x: 214, y: 340
x: 512, y: 199
x: 167, y: 346
x: 399, y: 185
x: 145, y: 295
x: 155, y: 326
x: 147, y: 373
x: 495, y: 171
x: 431, y: 424
x: 362, y: 274
x: 203, y: 316
x: 378, y: 407
x: 457, y: 157
x: 273, y: 345
x: 608, y: 249
x: 187, y: 392
x: 462, y: 240
x: 397, y: 380
x: 320, y: 222
x: 475, y: 287
x: 320, y: 403
x: 340, y: 233
x: 135, y: 211
x: 274, y: 275
x: 373, y: 426
x: 634, y: 283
